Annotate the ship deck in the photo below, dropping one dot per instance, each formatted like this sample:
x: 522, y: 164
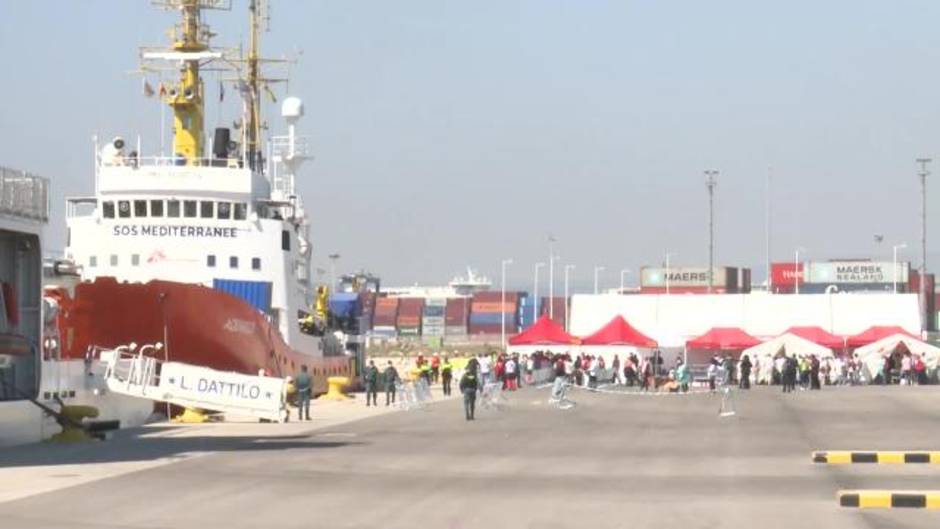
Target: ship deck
x: 613, y: 461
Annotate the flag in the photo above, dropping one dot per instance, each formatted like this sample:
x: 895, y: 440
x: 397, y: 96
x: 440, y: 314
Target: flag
x: 148, y: 90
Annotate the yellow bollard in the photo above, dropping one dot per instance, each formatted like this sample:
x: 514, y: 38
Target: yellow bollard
x: 192, y: 416
x: 75, y: 414
x: 335, y: 388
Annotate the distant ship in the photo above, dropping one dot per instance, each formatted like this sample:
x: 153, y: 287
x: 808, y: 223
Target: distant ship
x: 458, y: 287
x: 207, y: 249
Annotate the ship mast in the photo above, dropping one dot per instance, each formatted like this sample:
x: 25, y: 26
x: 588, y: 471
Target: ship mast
x: 253, y: 81
x: 187, y: 99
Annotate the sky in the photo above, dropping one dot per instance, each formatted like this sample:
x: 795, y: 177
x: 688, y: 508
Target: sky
x: 453, y: 133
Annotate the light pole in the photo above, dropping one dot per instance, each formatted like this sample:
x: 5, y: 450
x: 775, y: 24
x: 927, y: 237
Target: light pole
x: 623, y: 272
x: 711, y: 182
x: 923, y: 236
x: 502, y: 298
x: 597, y: 270
x: 535, y: 304
x: 568, y: 268
x: 770, y: 174
x: 333, y: 258
x: 551, y: 276
x: 894, y: 269
x: 796, y: 270
x: 668, y: 255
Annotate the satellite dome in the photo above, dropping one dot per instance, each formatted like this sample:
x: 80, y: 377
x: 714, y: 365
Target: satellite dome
x: 292, y: 108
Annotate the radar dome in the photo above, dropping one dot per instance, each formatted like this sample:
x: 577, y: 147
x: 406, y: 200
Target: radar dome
x: 292, y: 108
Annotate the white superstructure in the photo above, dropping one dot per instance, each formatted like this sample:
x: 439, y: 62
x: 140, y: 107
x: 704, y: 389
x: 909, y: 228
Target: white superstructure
x: 216, y: 220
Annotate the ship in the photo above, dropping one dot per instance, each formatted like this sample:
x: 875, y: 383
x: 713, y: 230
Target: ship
x: 205, y: 250
x: 36, y: 382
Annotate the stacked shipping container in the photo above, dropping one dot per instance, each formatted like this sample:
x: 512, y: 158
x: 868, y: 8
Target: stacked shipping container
x: 456, y: 317
x: 409, y: 316
x: 488, y: 313
x: 432, y: 319
x: 556, y: 309
x: 386, y: 316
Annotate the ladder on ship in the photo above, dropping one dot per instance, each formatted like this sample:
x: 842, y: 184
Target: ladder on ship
x: 138, y: 375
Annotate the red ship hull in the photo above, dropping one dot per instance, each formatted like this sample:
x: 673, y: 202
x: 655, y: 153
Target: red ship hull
x: 198, y: 325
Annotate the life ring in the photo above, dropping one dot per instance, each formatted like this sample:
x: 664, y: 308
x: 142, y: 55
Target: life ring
x: 9, y: 301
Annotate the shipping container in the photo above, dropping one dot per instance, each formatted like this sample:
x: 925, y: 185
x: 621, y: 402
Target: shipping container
x: 255, y: 293
x: 410, y: 306
x: 435, y: 302
x: 785, y: 276
x: 492, y: 306
x: 489, y: 329
x: 455, y: 330
x: 458, y: 311
x: 384, y: 320
x: 493, y: 318
x: 386, y: 331
x: 409, y: 321
x: 682, y: 290
x: 494, y: 296
x: 724, y: 277
x: 344, y: 304
x: 433, y: 311
x: 409, y: 331
x: 861, y: 272
x: 432, y: 331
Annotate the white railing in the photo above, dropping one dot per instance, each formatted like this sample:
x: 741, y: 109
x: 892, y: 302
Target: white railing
x: 281, y: 147
x: 167, y: 161
x: 24, y: 195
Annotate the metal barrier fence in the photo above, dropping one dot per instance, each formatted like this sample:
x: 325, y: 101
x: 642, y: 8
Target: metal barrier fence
x: 24, y: 194
x: 492, y: 398
x: 413, y: 395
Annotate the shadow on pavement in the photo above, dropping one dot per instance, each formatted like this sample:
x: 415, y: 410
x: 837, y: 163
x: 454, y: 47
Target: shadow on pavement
x: 126, y: 448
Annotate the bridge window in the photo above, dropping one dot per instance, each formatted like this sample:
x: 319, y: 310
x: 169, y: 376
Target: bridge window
x: 135, y: 259
x: 189, y: 209
x: 172, y: 208
x: 241, y: 211
x: 206, y: 209
x: 285, y: 240
x: 225, y: 210
x: 256, y: 263
x: 124, y: 209
x: 233, y: 262
x: 107, y: 209
x: 140, y: 208
x: 210, y: 261
x: 156, y: 208
x: 114, y: 260
x: 92, y: 261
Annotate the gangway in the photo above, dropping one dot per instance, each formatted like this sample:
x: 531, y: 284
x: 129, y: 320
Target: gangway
x: 137, y: 374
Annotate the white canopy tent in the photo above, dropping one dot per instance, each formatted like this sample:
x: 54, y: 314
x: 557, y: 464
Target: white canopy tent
x: 872, y: 355
x: 763, y: 355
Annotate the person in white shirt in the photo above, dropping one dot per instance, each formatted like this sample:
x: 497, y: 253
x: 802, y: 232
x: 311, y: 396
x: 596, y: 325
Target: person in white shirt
x: 485, y: 368
x: 510, y: 374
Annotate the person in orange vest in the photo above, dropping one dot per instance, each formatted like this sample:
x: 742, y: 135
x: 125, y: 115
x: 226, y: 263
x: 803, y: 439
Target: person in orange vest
x: 435, y: 368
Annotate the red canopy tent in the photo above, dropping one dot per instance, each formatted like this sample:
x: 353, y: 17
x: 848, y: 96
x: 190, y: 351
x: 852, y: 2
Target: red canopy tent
x: 619, y: 332
x: 723, y: 338
x: 818, y: 336
x: 543, y: 332
x: 875, y: 333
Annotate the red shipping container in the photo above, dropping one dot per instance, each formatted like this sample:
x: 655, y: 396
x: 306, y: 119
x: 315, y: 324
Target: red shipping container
x: 494, y: 296
x: 786, y: 275
x: 492, y: 306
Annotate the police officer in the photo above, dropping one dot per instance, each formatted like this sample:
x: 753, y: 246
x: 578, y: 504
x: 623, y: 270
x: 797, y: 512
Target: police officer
x: 447, y: 374
x: 302, y: 383
x: 425, y: 370
x: 468, y: 386
x: 371, y: 377
x: 391, y: 379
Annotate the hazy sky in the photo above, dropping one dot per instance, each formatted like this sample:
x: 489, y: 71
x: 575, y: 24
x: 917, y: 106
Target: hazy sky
x: 453, y: 133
